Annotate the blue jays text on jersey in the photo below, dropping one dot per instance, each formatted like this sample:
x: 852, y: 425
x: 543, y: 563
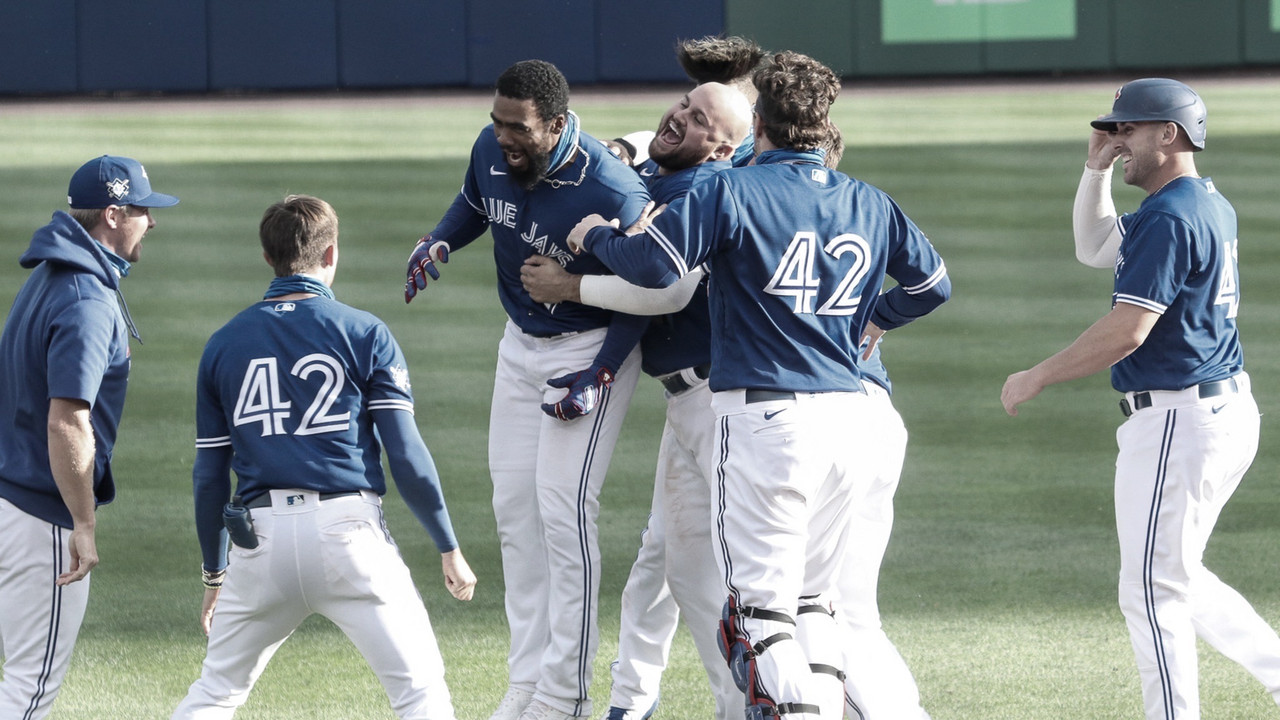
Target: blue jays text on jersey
x: 536, y: 222
x: 1178, y: 258
x: 796, y: 254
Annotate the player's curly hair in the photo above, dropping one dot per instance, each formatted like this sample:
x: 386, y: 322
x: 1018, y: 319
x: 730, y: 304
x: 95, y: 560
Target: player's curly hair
x: 834, y: 145
x: 295, y: 233
x: 539, y: 81
x: 795, y: 96
x: 716, y: 58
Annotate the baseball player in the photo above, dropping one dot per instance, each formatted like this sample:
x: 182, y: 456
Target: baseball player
x: 65, y: 355
x: 694, y: 140
x: 290, y: 394
x: 795, y: 253
x: 553, y: 424
x: 1173, y: 346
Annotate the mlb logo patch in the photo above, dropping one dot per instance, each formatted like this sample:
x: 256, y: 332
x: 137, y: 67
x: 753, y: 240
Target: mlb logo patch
x: 295, y: 500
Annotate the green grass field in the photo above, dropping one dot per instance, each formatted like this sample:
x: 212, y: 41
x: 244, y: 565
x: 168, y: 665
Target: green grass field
x: 999, y: 585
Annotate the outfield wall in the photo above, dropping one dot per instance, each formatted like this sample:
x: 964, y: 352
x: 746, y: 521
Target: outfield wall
x: 150, y: 46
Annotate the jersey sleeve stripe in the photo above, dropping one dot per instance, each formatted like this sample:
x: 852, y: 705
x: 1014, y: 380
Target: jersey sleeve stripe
x: 205, y: 443
x: 391, y: 404
x: 680, y: 266
x: 1141, y: 302
x: 474, y: 205
x: 931, y: 281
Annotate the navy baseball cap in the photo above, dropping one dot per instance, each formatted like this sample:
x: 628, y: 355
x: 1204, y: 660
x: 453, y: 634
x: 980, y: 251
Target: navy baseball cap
x: 112, y: 180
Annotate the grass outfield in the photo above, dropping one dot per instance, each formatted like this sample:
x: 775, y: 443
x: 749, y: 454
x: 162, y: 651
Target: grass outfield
x: 999, y: 585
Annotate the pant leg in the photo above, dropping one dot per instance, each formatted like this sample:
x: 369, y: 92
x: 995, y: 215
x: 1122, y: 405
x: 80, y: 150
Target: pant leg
x: 364, y: 587
x: 259, y: 607
x: 1220, y: 614
x: 878, y: 683
x: 39, y: 621
x: 649, y: 614
x: 515, y: 424
x: 686, y: 468
x: 573, y: 458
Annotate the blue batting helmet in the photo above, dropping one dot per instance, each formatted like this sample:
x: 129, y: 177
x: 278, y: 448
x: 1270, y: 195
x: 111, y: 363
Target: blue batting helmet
x: 1158, y: 100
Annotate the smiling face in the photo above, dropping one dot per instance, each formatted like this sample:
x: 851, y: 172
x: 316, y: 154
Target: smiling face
x: 1143, y: 150
x: 527, y: 140
x: 706, y: 124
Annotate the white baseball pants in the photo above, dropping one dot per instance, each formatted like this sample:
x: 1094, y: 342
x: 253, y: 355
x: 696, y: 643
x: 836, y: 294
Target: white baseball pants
x: 675, y: 571
x: 1179, y: 462
x: 787, y: 474
x: 547, y: 474
x: 335, y: 558
x: 878, y: 683
x: 39, y: 621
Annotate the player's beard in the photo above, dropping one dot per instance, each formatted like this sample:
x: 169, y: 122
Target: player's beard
x: 679, y: 158
x: 535, y: 169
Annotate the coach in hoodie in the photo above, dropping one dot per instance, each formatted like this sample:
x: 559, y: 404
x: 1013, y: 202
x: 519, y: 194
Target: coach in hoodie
x: 65, y: 358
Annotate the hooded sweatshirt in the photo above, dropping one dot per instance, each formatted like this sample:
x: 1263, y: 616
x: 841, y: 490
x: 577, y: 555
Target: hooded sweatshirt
x: 65, y: 337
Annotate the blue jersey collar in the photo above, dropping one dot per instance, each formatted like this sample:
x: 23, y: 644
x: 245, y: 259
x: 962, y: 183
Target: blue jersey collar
x: 787, y: 155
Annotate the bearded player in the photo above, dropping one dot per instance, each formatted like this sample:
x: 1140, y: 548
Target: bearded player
x: 694, y: 141
x: 564, y: 379
x: 787, y: 319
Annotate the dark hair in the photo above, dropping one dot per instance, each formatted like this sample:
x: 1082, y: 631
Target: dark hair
x: 718, y: 59
x: 795, y: 96
x: 834, y: 145
x: 295, y: 233
x: 539, y: 81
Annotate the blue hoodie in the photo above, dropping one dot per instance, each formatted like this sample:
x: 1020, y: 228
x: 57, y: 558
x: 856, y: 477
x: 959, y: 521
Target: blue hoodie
x: 65, y: 337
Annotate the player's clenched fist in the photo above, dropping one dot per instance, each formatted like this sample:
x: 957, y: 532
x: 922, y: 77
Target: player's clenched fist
x: 458, y: 578
x: 585, y: 388
x: 422, y: 263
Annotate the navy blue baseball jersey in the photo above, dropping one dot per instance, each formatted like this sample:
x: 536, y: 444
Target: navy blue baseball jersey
x: 796, y: 253
x: 1178, y: 258
x: 290, y: 386
x: 536, y: 222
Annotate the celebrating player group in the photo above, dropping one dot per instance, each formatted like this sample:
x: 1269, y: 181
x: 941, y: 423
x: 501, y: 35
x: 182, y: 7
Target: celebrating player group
x: 722, y: 253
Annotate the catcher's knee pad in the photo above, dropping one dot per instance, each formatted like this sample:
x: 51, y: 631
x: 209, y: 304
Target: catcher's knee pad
x: 744, y: 656
x: 819, y: 635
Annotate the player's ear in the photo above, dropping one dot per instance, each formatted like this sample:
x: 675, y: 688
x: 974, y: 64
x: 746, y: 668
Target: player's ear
x: 723, y: 151
x: 330, y: 257
x: 557, y: 124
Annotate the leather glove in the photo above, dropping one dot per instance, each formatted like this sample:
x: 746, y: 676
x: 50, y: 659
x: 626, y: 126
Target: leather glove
x: 422, y: 262
x: 585, y: 388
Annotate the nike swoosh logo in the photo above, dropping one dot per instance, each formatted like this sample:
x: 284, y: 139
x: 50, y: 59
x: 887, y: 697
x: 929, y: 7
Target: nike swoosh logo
x: 772, y: 415
x: 494, y: 171
x: 1218, y: 409
x: 647, y: 172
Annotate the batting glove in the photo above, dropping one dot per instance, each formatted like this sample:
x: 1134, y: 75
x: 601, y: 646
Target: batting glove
x: 422, y: 262
x: 585, y: 388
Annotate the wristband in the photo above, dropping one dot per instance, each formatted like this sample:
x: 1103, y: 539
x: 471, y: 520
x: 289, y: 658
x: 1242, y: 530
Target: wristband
x: 212, y: 580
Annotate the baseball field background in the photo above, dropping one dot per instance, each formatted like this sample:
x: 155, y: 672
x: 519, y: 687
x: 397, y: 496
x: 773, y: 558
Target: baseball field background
x: 999, y: 583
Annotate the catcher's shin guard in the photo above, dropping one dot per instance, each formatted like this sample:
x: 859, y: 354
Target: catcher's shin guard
x: 818, y: 635
x: 754, y: 669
